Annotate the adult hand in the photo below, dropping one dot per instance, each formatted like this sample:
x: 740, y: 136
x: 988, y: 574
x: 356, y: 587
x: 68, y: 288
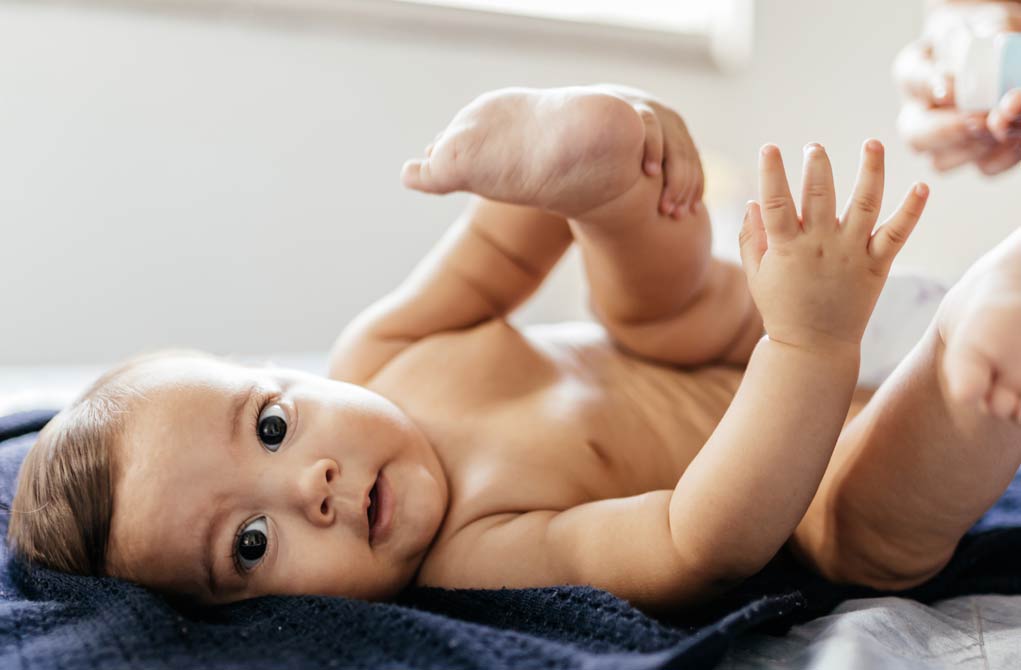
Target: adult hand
x: 929, y: 121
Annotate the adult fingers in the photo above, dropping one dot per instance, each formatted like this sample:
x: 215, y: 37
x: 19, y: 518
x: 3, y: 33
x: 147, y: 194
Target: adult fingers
x: 921, y: 78
x: 948, y: 159
x: 1005, y: 116
x: 927, y: 129
x: 1001, y: 158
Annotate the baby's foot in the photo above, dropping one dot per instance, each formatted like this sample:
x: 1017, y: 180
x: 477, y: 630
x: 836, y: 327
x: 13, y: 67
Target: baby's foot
x: 980, y: 323
x: 567, y: 150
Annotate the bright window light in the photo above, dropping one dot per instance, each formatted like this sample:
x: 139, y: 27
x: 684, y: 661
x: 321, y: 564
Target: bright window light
x: 684, y: 16
x: 719, y: 29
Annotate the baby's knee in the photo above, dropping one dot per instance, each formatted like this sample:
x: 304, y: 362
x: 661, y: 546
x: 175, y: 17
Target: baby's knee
x: 851, y: 551
x: 884, y: 570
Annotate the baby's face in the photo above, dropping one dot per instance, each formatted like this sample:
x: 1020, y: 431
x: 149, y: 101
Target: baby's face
x: 232, y: 482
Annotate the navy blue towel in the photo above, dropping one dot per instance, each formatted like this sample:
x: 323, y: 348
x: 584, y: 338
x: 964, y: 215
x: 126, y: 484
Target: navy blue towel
x: 52, y: 620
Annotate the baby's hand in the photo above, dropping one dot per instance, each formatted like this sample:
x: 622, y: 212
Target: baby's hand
x: 669, y: 151
x: 816, y: 279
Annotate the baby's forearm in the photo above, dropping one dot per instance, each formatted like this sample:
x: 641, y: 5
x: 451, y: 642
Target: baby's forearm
x: 745, y: 492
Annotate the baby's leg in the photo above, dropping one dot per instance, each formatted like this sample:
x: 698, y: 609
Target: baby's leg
x: 578, y: 152
x: 655, y: 285
x: 925, y: 458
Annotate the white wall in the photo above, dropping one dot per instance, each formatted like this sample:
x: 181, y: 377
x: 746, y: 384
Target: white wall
x: 174, y: 180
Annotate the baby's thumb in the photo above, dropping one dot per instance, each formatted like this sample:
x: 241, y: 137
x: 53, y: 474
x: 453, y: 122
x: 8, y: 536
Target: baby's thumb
x: 752, y: 238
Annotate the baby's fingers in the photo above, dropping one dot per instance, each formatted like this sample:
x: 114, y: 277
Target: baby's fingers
x: 863, y: 208
x: 889, y: 239
x: 818, y: 200
x: 652, y: 158
x: 778, y: 213
x: 676, y: 176
x: 752, y: 239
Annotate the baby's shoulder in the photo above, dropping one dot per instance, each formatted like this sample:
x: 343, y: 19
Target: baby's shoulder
x: 497, y: 347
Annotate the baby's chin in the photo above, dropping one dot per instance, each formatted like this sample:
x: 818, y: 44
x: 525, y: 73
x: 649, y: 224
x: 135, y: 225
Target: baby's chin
x: 419, y: 507
x: 420, y: 493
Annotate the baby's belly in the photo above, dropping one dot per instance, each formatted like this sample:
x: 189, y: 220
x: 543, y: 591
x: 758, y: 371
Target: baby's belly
x: 662, y: 418
x: 657, y: 420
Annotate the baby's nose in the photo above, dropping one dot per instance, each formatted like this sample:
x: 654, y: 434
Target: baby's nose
x: 316, y: 490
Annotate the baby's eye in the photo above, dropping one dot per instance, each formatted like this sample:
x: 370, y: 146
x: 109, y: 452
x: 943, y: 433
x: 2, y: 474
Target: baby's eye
x: 251, y: 543
x: 272, y: 426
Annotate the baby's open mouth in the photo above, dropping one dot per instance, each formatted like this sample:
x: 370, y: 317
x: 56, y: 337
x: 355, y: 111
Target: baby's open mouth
x: 381, y: 509
x: 373, y: 510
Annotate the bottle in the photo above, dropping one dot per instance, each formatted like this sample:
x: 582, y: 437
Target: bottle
x: 988, y: 67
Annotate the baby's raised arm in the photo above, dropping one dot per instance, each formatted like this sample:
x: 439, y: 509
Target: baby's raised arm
x: 815, y: 281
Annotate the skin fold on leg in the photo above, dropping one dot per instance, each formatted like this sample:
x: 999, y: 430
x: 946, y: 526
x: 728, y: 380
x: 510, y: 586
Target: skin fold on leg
x: 909, y: 476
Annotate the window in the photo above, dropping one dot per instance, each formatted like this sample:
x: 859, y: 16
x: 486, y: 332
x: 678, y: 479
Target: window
x: 719, y: 30
x: 673, y: 15
x: 713, y: 31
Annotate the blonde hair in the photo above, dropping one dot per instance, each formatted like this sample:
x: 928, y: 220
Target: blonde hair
x: 63, y: 504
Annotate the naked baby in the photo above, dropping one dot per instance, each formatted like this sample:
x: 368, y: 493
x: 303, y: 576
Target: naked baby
x: 709, y: 420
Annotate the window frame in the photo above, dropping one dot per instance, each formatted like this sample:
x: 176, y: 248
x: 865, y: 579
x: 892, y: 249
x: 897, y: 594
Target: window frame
x: 726, y: 44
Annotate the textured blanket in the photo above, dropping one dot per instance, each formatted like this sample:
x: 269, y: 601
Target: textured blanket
x: 51, y: 620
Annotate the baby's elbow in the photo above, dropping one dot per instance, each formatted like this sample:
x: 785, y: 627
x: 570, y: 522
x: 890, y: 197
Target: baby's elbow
x: 721, y: 568
x: 700, y: 582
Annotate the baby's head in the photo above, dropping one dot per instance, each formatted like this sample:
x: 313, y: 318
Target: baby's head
x: 217, y: 481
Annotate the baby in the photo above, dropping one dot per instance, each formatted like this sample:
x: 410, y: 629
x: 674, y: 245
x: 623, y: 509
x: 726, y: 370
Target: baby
x: 708, y: 422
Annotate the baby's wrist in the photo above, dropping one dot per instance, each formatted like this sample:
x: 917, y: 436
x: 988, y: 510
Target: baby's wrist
x: 839, y: 352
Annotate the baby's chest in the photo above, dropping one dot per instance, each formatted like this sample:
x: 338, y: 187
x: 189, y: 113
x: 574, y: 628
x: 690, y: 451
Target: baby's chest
x: 525, y: 423
x: 558, y: 448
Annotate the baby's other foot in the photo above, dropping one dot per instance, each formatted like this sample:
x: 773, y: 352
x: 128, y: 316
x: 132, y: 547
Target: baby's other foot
x: 980, y: 323
x: 567, y: 150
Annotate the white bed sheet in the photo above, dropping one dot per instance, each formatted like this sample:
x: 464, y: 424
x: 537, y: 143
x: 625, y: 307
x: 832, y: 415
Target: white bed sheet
x: 980, y: 632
